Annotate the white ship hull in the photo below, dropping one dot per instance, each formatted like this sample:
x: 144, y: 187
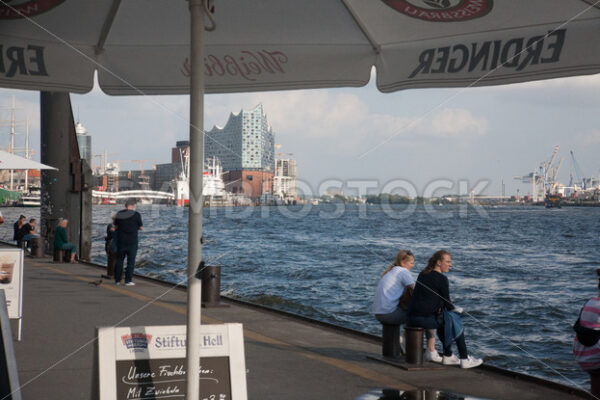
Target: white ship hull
x: 213, y: 187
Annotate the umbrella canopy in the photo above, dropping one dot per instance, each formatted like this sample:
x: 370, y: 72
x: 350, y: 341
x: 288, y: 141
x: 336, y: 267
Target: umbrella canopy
x: 11, y: 161
x: 154, y: 47
x: 143, y: 45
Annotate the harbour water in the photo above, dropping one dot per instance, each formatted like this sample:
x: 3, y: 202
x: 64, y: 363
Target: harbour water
x: 520, y: 273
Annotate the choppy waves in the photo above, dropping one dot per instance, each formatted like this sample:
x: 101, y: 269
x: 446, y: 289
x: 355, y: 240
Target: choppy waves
x: 521, y: 273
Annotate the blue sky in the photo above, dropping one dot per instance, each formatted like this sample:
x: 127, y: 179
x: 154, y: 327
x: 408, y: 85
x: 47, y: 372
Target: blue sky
x: 419, y: 136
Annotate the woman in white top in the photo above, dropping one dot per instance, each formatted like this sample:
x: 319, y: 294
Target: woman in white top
x: 393, y: 281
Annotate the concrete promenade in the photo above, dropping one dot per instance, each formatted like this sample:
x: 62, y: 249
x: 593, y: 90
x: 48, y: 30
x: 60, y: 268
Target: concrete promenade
x: 286, y: 358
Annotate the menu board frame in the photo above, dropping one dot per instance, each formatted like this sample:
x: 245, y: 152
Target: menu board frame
x: 10, y: 387
x: 13, y: 289
x: 142, y: 348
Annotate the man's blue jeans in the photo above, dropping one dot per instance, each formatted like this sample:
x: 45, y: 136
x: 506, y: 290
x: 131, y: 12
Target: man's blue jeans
x: 129, y: 250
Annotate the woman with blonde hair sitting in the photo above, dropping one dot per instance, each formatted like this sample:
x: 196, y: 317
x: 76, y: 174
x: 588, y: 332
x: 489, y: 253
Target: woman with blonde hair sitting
x: 394, y: 281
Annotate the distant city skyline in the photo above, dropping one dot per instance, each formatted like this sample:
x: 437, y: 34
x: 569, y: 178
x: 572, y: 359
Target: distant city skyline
x: 476, y: 134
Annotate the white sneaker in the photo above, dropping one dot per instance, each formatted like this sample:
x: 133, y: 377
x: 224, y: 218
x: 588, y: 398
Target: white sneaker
x: 451, y: 360
x: 470, y: 362
x: 432, y: 356
x: 402, y: 344
x: 130, y: 284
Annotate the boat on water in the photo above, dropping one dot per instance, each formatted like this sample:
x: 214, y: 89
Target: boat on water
x: 108, y: 201
x: 213, y: 186
x: 553, y: 201
x: 30, y: 199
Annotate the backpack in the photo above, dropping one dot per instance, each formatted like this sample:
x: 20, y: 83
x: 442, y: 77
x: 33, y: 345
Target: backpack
x: 586, y: 336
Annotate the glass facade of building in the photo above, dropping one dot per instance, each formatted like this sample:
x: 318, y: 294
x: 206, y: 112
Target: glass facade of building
x: 245, y: 143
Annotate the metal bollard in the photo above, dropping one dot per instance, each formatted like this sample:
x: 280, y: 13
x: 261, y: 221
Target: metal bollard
x: 37, y: 247
x: 414, y: 345
x: 211, y: 286
x: 391, y: 340
x: 58, y: 256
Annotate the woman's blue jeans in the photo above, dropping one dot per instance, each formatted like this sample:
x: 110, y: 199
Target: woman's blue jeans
x: 433, y: 322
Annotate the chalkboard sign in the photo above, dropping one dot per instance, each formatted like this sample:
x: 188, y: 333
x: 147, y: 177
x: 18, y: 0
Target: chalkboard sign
x: 11, y: 281
x: 149, y: 363
x: 165, y: 378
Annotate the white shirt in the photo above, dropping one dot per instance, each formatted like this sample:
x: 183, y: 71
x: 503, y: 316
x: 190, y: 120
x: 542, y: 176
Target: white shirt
x: 390, y: 288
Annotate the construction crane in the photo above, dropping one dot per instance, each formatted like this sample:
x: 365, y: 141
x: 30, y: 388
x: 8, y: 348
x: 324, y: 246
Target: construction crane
x: 143, y: 180
x: 580, y: 178
x: 543, y: 179
x: 103, y: 159
x: 141, y: 162
x: 279, y: 154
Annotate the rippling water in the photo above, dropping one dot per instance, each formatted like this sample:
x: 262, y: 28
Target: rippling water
x: 521, y: 273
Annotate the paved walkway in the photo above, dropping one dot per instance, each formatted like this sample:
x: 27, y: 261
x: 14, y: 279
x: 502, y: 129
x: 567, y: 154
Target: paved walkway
x: 286, y: 358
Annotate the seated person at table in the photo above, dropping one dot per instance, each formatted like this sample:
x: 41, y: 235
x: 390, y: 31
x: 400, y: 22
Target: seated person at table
x: 27, y: 231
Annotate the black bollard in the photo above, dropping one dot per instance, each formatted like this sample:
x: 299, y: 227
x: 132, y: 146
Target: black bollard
x: 391, y: 340
x: 414, y: 345
x: 37, y: 247
x: 211, y: 286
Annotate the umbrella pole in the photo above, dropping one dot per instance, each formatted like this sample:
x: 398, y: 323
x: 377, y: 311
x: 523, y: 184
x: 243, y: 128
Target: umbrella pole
x: 194, y: 300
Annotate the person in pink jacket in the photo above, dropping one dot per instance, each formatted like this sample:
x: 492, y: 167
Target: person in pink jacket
x: 586, y: 346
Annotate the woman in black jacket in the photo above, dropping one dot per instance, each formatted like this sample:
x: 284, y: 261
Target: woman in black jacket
x: 430, y: 298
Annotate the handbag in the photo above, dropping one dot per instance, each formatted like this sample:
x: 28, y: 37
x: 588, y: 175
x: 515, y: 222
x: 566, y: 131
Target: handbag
x: 586, y: 336
x: 404, y: 300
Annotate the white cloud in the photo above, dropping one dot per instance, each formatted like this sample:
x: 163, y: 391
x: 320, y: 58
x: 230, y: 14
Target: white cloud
x: 582, y: 82
x: 588, y: 139
x: 344, y: 120
x: 456, y: 124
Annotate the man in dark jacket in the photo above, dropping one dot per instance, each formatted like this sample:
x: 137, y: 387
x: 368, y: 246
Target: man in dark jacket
x: 17, y: 227
x: 127, y: 223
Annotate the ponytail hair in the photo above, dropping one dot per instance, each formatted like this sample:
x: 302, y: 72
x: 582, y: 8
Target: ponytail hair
x: 401, y: 256
x: 437, y: 256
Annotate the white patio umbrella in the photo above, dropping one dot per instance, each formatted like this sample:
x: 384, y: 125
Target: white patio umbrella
x: 11, y: 161
x: 150, y: 47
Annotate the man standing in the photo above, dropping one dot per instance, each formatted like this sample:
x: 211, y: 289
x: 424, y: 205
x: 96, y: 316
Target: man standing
x: 127, y: 222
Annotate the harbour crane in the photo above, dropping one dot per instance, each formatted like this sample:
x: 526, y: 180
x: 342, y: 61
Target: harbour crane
x: 543, y: 180
x: 580, y: 178
x: 549, y: 171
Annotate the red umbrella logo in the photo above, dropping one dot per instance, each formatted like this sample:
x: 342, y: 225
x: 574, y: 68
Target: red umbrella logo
x: 15, y: 9
x: 442, y: 10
